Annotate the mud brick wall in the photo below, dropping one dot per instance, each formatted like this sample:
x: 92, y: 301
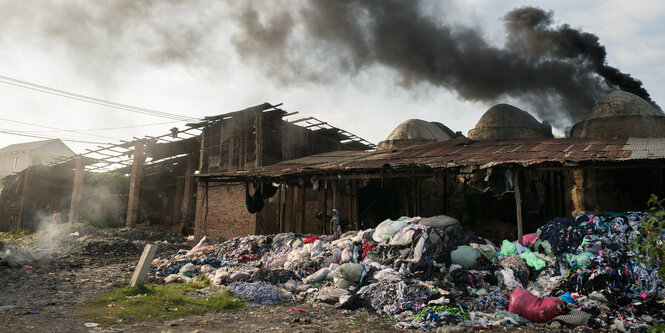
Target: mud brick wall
x: 227, y: 217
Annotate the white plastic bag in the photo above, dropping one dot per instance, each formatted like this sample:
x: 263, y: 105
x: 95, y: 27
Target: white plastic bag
x: 387, y: 229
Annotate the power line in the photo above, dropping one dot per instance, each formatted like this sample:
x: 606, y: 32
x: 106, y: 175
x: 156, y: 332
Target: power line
x: 50, y: 138
x: 110, y: 128
x: 93, y: 100
x: 55, y: 128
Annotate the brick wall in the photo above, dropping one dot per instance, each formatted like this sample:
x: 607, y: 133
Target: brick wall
x: 227, y: 216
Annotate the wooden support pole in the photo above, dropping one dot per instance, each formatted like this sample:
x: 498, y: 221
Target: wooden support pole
x: 334, y: 198
x: 177, y: 207
x: 77, y: 190
x: 188, y: 192
x: 303, y: 208
x: 135, y: 184
x: 144, y: 264
x: 354, y: 204
x: 25, y: 192
x: 518, y: 203
x: 325, y: 210
x: 280, y: 208
x: 444, y: 181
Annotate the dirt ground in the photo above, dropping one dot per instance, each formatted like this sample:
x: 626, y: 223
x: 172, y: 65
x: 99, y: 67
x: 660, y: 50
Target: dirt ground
x: 69, y: 280
x: 46, y: 296
x: 55, y: 287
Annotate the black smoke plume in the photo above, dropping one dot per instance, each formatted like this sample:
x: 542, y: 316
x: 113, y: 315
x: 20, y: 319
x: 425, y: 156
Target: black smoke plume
x: 557, y: 71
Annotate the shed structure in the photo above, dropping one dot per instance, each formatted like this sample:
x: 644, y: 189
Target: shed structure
x: 255, y: 137
x: 356, y: 181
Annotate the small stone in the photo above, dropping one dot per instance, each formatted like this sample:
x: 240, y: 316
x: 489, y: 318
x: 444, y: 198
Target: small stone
x: 189, y: 267
x: 290, y: 285
x: 206, y: 269
x: 238, y: 276
x: 618, y: 325
x: 171, y: 278
x: 597, y: 296
x: 647, y: 318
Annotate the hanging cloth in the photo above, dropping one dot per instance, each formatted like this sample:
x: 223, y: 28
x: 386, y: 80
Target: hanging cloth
x: 254, y: 202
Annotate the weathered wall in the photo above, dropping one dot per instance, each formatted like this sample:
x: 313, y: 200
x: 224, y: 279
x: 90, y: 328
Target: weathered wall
x: 226, y: 215
x: 613, y: 190
x: 236, y: 144
x: 34, y: 195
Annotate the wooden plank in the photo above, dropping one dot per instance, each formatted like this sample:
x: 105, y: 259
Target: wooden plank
x: 135, y: 185
x: 354, y: 204
x: 144, y: 264
x: 518, y: 203
x: 77, y: 190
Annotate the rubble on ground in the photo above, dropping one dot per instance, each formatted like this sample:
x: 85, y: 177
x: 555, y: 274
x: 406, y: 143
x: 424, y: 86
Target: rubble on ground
x: 425, y: 273
x: 61, y: 239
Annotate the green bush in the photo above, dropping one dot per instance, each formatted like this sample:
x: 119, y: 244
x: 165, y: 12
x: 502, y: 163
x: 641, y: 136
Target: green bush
x: 649, y: 245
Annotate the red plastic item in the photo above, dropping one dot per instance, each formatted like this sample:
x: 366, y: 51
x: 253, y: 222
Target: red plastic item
x: 536, y: 309
x: 529, y: 239
x: 366, y: 248
x: 311, y: 239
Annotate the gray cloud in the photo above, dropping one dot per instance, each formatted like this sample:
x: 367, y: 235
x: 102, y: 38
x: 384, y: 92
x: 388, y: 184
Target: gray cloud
x: 557, y: 72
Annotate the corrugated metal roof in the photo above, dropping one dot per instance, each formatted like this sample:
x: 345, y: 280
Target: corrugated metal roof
x: 645, y: 148
x: 466, y: 153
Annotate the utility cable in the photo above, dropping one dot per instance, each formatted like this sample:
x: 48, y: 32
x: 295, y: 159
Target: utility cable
x: 83, y: 98
x: 109, y: 128
x: 50, y: 138
x: 55, y: 128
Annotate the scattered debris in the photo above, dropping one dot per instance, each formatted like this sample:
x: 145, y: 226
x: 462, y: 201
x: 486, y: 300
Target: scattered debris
x: 572, y: 272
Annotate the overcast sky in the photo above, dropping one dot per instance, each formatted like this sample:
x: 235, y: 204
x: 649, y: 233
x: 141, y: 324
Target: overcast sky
x: 188, y: 58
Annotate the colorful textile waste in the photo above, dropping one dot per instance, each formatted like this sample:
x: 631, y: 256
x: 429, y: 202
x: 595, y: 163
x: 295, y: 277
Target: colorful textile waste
x: 432, y: 275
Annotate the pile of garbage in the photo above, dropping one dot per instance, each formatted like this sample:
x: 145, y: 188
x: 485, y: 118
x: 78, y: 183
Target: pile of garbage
x: 430, y: 272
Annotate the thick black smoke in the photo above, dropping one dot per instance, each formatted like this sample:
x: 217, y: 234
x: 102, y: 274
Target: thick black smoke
x: 559, y: 72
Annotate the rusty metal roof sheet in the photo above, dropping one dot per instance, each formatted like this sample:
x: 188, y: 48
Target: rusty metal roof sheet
x: 464, y: 153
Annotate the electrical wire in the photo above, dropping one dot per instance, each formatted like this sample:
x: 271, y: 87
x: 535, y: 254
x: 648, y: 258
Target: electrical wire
x: 109, y: 128
x: 55, y: 128
x: 5, y: 131
x: 93, y: 100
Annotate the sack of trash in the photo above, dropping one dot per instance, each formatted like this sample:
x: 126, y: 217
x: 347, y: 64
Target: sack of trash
x: 464, y: 256
x: 536, y: 309
x: 439, y: 221
x: 348, y: 274
x: 386, y: 229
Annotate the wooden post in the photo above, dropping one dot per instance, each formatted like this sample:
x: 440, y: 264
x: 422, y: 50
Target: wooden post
x: 325, y: 210
x: 408, y: 196
x: 518, y: 203
x: 354, y: 204
x: 135, y: 184
x: 178, y: 218
x: 303, y: 207
x: 77, y: 190
x: 25, y: 190
x: 188, y: 192
x: 280, y: 209
x: 144, y: 264
x: 334, y: 198
x: 444, y: 180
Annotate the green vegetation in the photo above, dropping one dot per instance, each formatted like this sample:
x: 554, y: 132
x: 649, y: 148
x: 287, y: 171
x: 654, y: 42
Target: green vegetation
x: 148, y: 303
x: 649, y: 245
x: 660, y: 328
x: 204, y: 280
x: 17, y: 237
